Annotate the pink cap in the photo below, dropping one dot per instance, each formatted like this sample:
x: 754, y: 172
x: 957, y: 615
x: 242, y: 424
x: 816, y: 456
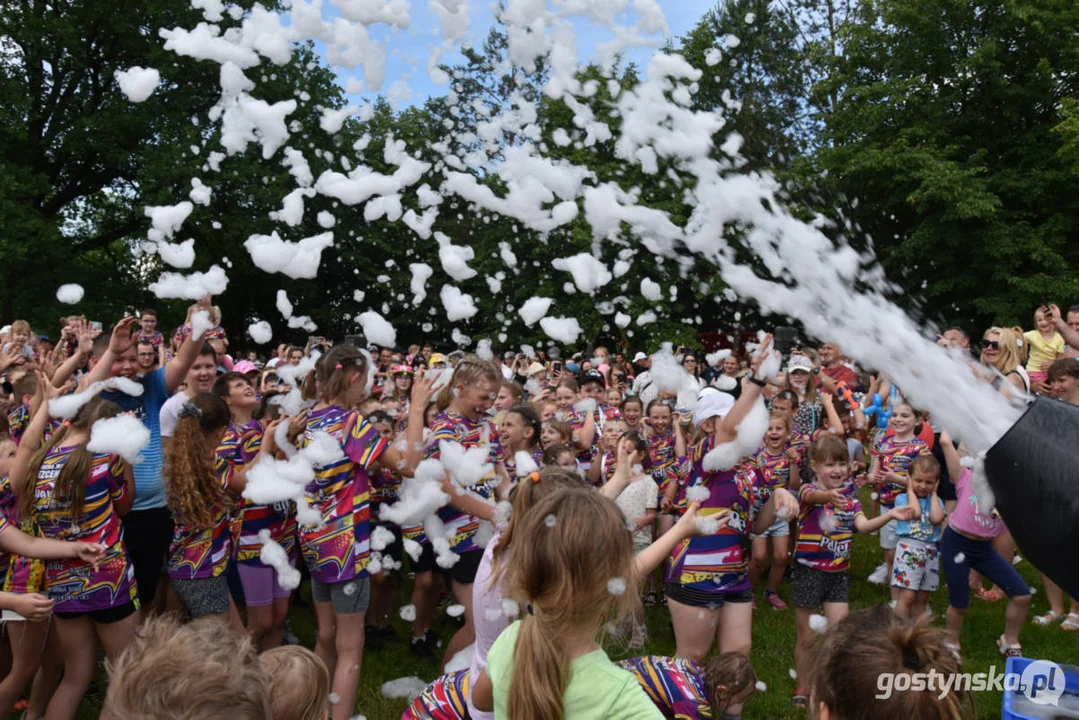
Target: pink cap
x: 244, y: 366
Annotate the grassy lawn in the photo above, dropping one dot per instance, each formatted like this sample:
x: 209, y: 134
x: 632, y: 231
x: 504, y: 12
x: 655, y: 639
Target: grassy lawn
x: 773, y: 644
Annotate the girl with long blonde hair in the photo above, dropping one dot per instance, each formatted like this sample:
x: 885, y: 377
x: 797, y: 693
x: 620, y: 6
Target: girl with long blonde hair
x: 570, y: 575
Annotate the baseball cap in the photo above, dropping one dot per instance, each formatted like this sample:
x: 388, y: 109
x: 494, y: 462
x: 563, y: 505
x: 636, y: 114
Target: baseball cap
x: 639, y: 356
x: 244, y: 367
x: 436, y: 358
x: 799, y: 362
x: 535, y: 368
x: 591, y: 376
x: 400, y: 370
x: 712, y: 404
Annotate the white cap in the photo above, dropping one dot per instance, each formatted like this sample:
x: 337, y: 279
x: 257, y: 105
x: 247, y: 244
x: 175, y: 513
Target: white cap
x: 712, y: 404
x: 535, y: 368
x: 639, y: 356
x: 799, y: 362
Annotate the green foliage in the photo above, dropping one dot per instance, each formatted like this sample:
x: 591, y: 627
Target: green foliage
x: 951, y: 131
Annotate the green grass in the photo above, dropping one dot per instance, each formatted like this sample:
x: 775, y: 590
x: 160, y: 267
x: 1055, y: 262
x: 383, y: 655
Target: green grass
x: 773, y: 644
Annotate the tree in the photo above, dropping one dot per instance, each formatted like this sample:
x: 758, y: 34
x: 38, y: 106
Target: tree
x: 79, y: 161
x: 945, y: 130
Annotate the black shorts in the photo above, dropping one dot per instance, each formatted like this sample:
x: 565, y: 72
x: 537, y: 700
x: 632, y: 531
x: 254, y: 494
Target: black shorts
x: 426, y: 561
x: 103, y: 617
x: 701, y: 599
x: 946, y: 486
x: 811, y: 588
x: 147, y: 534
x: 464, y: 570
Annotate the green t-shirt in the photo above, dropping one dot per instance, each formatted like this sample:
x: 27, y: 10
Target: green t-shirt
x: 597, y: 690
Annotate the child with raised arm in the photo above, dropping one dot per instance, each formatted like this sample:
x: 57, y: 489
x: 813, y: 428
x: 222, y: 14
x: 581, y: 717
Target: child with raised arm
x: 829, y: 517
x: 777, y: 467
x: 892, y: 457
x: 916, y: 570
x: 967, y: 543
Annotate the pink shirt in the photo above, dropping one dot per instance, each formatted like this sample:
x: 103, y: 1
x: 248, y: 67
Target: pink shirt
x: 968, y: 518
x: 488, y: 619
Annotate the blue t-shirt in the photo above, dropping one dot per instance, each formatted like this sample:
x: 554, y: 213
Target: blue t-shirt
x: 920, y: 529
x: 149, y: 482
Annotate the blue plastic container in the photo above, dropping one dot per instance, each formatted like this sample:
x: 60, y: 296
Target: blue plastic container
x: 1018, y: 707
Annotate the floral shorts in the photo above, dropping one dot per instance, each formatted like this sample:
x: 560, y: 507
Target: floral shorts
x: 916, y: 566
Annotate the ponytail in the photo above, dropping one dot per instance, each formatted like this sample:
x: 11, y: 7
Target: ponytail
x: 334, y: 374
x: 541, y: 670
x: 195, y: 495
x: 573, y: 542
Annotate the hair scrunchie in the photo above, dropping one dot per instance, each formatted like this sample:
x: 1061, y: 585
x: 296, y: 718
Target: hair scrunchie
x: 190, y: 410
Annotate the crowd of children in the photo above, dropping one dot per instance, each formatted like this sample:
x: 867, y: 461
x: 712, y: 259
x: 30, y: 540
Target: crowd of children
x: 600, y: 490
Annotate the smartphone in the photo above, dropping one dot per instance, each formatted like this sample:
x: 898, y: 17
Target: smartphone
x: 556, y: 366
x: 94, y: 324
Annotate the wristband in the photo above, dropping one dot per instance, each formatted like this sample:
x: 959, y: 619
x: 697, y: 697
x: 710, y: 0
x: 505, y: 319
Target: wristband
x: 757, y: 382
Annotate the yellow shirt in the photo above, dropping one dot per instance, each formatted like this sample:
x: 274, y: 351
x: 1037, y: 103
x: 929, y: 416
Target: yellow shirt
x: 1042, y: 352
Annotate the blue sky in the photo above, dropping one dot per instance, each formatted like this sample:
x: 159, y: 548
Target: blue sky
x: 408, y: 50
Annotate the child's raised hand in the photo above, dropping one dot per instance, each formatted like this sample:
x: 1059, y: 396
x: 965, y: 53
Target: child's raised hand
x: 792, y: 454
x: 837, y: 498
x: 686, y: 527
x: 89, y: 552
x: 123, y: 336
x: 32, y: 606
x: 10, y: 356
x: 422, y: 390
x: 268, y: 446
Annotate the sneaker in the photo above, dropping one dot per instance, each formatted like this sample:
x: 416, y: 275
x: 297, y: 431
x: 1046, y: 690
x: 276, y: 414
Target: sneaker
x: 775, y: 601
x: 880, y: 575
x: 287, y: 636
x: 422, y: 650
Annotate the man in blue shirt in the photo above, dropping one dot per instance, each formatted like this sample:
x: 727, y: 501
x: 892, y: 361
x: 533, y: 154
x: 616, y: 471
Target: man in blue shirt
x: 148, y: 527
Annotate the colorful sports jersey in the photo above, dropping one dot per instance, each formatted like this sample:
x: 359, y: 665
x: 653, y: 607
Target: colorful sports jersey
x: 896, y: 457
x: 339, y: 549
x: 825, y: 531
x: 385, y: 484
x: 662, y: 454
x: 8, y: 511
x: 451, y: 427
x: 75, y: 585
x: 675, y: 685
x: 155, y: 337
x: 19, y: 419
x: 198, y: 553
x: 444, y: 699
x: 773, y: 471
x: 716, y: 563
x: 279, y: 519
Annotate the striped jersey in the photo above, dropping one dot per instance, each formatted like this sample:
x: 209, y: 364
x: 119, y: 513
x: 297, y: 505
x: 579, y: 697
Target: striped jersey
x: 825, y: 531
x: 717, y: 563
x: 451, y: 427
x: 197, y: 553
x: 339, y: 549
x: 75, y: 585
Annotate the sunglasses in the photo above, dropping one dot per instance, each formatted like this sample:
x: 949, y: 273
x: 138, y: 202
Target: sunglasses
x: 990, y: 345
